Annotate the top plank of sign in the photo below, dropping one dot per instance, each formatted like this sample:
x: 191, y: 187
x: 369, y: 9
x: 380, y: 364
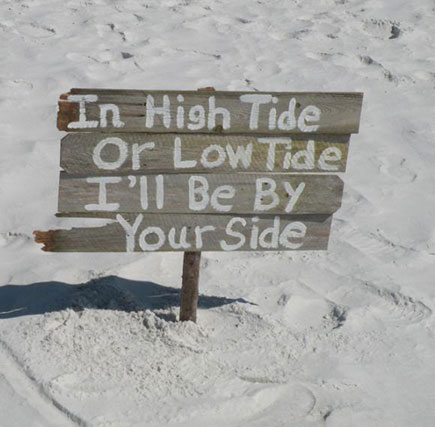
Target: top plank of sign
x: 212, y: 112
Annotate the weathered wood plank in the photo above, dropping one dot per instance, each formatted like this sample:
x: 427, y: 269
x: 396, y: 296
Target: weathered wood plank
x: 242, y: 193
x: 97, y: 153
x: 275, y: 113
x: 139, y: 232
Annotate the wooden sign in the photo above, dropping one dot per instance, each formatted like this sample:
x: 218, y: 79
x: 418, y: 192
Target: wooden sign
x: 212, y: 193
x: 147, y: 232
x: 201, y: 171
x: 98, y: 153
x: 273, y: 113
x: 194, y: 171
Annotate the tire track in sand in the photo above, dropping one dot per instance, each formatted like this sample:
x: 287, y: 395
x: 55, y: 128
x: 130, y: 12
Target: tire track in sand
x: 30, y: 396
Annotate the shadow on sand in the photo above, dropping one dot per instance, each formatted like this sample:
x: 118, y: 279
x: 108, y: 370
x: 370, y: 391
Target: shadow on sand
x: 106, y: 293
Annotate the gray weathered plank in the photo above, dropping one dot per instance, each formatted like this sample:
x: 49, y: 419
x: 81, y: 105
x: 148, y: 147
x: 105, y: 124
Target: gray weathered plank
x: 339, y: 112
x: 243, y: 233
x: 299, y: 153
x: 296, y: 194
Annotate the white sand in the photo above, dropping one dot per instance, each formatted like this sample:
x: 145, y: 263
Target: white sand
x: 341, y: 338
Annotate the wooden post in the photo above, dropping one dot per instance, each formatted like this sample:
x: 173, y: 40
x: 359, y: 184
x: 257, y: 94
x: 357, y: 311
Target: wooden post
x: 189, y: 286
x: 190, y: 282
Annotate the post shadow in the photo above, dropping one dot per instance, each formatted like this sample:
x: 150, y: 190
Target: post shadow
x: 105, y: 293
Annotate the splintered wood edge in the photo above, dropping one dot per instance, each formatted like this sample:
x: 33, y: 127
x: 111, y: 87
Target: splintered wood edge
x: 67, y: 112
x: 47, y: 238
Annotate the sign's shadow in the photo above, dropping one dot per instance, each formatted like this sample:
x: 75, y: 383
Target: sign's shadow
x: 105, y: 293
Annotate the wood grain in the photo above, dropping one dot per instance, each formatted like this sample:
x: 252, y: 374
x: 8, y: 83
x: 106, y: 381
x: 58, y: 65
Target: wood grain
x: 190, y: 286
x: 112, y: 237
x: 340, y: 112
x: 321, y: 193
x: 76, y: 156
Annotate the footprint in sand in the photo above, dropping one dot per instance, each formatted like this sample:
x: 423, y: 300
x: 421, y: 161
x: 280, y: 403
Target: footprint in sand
x: 35, y: 30
x: 397, y: 307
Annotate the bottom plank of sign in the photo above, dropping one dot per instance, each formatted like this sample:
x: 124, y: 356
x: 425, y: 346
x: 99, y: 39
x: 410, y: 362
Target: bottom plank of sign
x: 168, y: 232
